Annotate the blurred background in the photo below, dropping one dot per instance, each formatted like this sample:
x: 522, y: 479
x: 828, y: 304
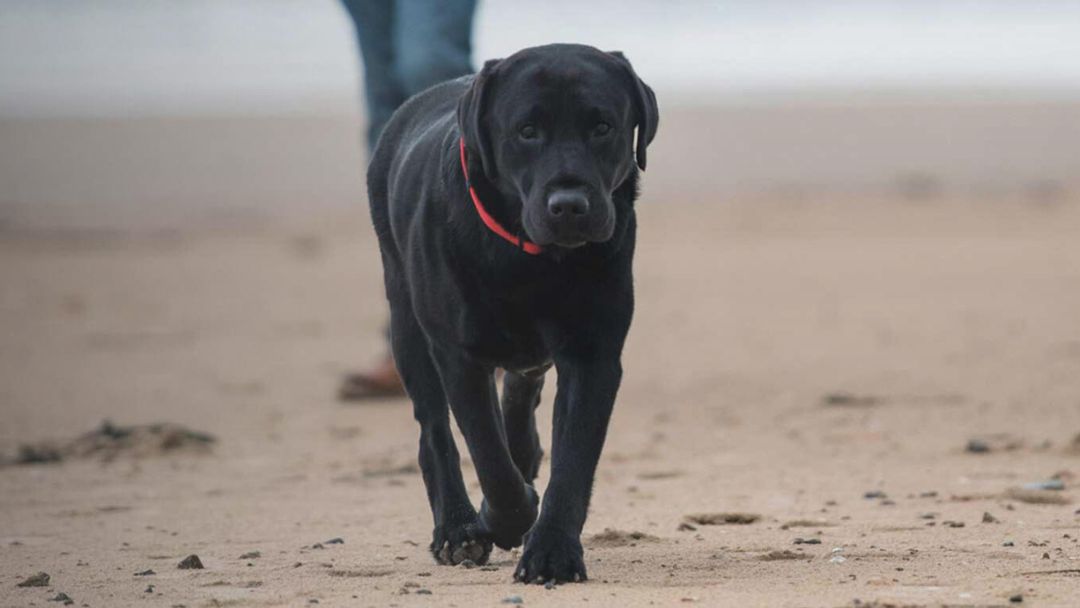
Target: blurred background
x: 156, y: 111
x: 857, y: 283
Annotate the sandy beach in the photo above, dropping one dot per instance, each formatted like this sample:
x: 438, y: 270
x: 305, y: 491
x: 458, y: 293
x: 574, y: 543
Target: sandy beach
x: 863, y: 370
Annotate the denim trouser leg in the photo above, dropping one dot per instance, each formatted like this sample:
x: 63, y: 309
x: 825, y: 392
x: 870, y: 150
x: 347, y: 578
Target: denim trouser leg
x: 433, y: 41
x: 408, y: 46
x: 383, y: 91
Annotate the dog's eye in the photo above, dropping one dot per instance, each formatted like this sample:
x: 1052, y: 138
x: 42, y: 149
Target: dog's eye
x: 528, y: 132
x: 601, y: 129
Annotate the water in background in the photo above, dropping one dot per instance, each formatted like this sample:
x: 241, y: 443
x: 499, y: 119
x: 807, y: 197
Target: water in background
x: 125, y: 57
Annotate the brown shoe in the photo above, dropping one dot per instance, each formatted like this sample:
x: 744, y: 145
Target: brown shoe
x: 381, y: 382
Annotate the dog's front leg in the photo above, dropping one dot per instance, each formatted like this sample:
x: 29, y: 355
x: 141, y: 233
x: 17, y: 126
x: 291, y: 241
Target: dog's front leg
x: 510, y: 504
x: 583, y: 402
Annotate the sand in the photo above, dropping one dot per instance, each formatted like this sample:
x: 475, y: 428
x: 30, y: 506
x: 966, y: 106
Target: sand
x: 941, y: 322
x: 821, y: 362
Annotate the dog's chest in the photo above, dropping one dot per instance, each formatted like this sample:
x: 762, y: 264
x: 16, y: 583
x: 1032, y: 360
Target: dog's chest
x: 508, y: 336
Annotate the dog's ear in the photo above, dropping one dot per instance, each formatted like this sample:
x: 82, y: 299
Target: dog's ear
x: 648, y: 117
x: 470, y: 117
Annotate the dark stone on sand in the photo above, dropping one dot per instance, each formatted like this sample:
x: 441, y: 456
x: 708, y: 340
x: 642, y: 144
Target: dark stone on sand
x: 988, y: 518
x: 335, y: 541
x: 41, y: 579
x: 1016, y: 599
x: 718, y: 519
x: 251, y: 555
x: 191, y: 562
x: 147, y: 572
x: 110, y: 441
x: 38, y: 454
x: 977, y: 446
x: 807, y: 541
x: 785, y: 555
x: 422, y: 591
x: 874, y: 494
x: 513, y: 599
x: 843, y: 399
x: 62, y: 598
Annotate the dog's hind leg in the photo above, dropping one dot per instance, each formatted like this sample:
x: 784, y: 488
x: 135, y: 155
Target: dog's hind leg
x: 510, y: 504
x: 521, y: 396
x: 457, y: 535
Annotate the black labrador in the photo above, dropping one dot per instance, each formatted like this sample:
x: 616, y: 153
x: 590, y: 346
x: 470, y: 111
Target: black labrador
x: 504, y: 206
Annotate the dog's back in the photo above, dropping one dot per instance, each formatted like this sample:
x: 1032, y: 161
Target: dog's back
x: 410, y: 143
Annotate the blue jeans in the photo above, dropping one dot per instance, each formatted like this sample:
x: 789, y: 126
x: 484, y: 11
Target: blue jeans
x: 408, y: 46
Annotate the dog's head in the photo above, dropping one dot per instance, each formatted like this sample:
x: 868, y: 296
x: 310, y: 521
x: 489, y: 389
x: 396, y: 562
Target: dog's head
x: 553, y: 127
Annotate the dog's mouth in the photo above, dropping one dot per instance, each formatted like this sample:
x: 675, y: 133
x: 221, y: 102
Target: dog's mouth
x: 564, y: 240
x: 570, y: 244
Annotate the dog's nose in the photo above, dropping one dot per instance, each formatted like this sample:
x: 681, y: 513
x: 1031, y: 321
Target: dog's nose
x: 563, y: 203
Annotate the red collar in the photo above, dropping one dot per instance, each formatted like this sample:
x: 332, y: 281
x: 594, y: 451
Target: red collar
x: 490, y: 222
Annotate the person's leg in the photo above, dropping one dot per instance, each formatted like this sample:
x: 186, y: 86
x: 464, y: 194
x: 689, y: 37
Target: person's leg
x: 433, y: 41
x: 375, y: 32
x: 383, y: 92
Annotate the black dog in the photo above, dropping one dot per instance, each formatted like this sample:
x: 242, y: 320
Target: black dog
x: 504, y: 206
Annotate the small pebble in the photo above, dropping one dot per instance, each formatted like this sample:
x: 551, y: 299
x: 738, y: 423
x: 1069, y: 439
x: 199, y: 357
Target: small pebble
x: 807, y: 541
x: 335, y: 541
x: 513, y: 599
x: 977, y: 446
x: 191, y: 562
x: 1016, y: 599
x: 874, y: 494
x: 147, y: 572
x: 988, y: 518
x: 423, y: 591
x: 41, y: 579
x: 62, y: 597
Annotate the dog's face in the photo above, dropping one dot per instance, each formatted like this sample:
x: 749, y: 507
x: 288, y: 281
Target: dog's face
x: 554, y: 128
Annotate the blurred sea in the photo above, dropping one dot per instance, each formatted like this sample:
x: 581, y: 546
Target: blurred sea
x: 166, y: 57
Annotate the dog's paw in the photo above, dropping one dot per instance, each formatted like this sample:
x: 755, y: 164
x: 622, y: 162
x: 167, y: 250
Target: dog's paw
x: 551, y: 556
x: 453, y: 544
x: 507, y: 528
